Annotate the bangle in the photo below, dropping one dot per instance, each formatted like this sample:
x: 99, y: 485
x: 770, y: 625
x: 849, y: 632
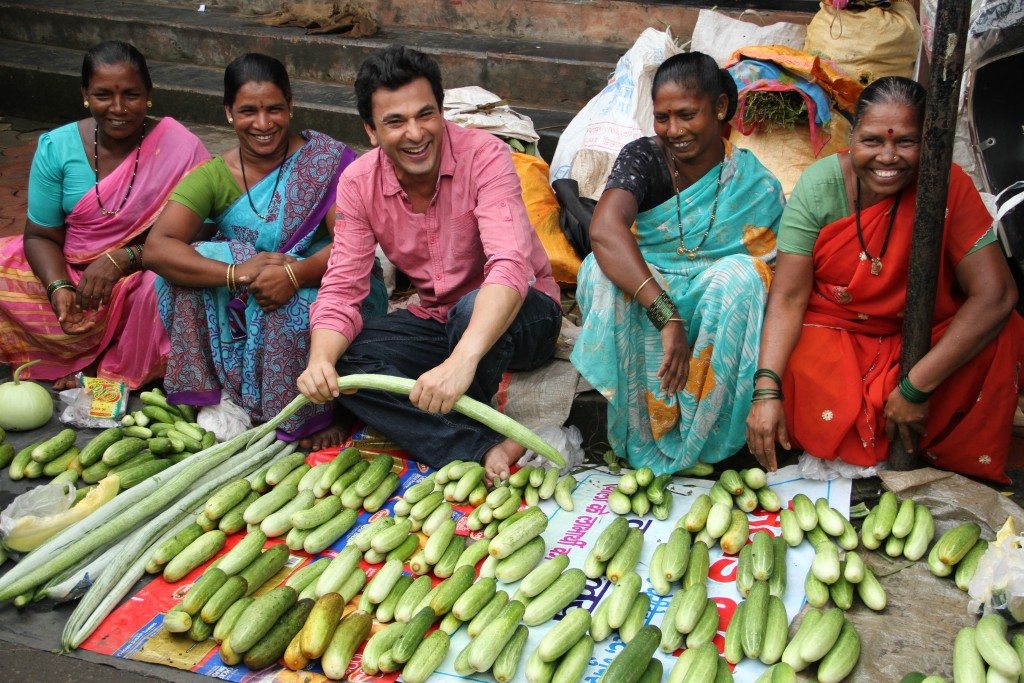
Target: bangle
x: 291, y: 276
x: 767, y: 395
x: 642, y: 285
x: 661, y: 311
x: 138, y: 257
x: 770, y: 374
x: 912, y: 393
x: 116, y: 264
x: 133, y: 263
x: 229, y: 277
x: 58, y: 284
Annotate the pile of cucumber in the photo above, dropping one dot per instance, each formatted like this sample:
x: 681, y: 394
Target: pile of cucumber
x: 982, y: 653
x: 639, y: 492
x: 564, y: 654
x: 616, y: 551
x: 720, y: 516
x: 828, y: 639
x: 900, y: 528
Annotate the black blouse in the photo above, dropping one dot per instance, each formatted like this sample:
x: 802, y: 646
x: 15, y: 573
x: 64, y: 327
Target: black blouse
x: 642, y: 170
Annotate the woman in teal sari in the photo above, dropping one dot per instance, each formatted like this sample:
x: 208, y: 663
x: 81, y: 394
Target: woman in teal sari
x: 672, y: 314
x: 240, y: 251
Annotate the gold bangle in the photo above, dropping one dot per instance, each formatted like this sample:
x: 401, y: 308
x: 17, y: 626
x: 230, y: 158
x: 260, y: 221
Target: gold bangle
x: 234, y: 284
x: 291, y: 276
x: 642, y: 285
x: 116, y: 265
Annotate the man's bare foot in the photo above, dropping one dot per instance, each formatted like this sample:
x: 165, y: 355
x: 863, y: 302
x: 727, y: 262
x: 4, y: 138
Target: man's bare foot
x: 66, y: 382
x: 499, y: 460
x: 332, y: 436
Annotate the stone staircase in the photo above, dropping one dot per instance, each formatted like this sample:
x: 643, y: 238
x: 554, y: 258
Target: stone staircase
x: 547, y: 58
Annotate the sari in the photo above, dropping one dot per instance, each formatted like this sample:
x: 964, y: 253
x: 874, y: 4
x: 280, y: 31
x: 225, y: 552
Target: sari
x: 720, y: 295
x: 846, y: 362
x: 223, y: 342
x: 128, y: 344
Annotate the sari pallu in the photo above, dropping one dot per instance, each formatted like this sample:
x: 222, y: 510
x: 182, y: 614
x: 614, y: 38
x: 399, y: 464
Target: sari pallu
x: 219, y: 344
x: 720, y: 295
x: 129, y: 343
x: 846, y: 362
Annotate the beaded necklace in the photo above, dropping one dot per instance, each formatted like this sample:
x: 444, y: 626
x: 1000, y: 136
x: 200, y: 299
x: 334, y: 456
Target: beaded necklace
x: 96, y: 169
x: 876, y: 261
x: 280, y: 168
x: 691, y: 252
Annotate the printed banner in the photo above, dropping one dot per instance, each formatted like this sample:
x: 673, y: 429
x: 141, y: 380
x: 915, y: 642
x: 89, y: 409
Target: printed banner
x: 134, y: 630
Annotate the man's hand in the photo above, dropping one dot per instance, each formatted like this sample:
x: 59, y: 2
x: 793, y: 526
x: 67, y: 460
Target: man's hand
x: 319, y: 381
x: 272, y: 288
x: 437, y: 390
x: 903, y: 417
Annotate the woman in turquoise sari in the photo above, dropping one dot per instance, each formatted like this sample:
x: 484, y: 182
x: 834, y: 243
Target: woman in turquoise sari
x: 240, y: 251
x: 672, y: 313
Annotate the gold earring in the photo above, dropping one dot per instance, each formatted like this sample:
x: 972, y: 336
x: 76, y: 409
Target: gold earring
x: 85, y: 103
x: 149, y: 104
x: 721, y: 117
x: 291, y: 114
x: 230, y: 120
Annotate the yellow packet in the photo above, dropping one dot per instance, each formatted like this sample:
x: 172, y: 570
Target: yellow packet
x: 108, y: 398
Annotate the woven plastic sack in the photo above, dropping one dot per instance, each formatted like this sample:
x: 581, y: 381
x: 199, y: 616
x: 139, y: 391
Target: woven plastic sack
x: 867, y: 44
x: 543, y: 210
x: 719, y: 35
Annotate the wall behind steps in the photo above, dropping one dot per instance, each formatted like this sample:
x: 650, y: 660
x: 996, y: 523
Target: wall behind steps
x: 610, y: 22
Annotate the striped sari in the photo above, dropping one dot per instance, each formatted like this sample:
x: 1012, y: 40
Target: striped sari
x: 129, y: 343
x: 720, y: 295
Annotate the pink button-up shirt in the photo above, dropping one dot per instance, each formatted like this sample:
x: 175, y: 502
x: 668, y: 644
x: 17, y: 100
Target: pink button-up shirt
x: 475, y: 231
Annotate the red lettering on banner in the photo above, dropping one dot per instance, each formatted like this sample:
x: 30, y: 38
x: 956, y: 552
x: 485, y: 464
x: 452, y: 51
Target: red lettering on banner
x: 723, y: 570
x: 766, y: 521
x: 597, y: 509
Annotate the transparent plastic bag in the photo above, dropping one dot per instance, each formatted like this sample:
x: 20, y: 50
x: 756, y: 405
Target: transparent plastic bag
x: 998, y: 583
x: 77, y: 404
x: 42, y: 501
x: 826, y: 470
x: 566, y: 440
x: 226, y: 419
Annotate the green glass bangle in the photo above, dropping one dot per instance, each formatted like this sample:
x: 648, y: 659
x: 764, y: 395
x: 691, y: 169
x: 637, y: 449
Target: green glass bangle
x: 58, y: 284
x: 770, y: 374
x: 661, y: 311
x: 766, y: 398
x: 912, y: 393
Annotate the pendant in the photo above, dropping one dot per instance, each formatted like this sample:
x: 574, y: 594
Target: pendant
x: 876, y: 266
x: 681, y: 250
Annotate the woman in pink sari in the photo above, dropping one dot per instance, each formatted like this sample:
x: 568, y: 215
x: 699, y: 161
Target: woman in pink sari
x: 74, y: 290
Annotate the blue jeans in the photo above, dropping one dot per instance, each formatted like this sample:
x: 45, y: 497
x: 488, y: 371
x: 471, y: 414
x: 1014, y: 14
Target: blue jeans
x: 404, y: 345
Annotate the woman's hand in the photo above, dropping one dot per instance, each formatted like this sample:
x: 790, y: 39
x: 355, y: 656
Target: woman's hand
x: 72, y: 320
x: 246, y: 273
x: 766, y: 424
x: 272, y: 288
x: 98, y: 281
x: 675, y: 360
x: 904, y: 418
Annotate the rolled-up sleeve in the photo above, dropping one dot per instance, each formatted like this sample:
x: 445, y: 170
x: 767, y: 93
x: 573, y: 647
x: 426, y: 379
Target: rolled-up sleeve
x: 505, y: 229
x: 347, y: 280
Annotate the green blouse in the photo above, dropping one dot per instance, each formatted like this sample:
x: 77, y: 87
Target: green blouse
x: 818, y: 199
x: 208, y: 190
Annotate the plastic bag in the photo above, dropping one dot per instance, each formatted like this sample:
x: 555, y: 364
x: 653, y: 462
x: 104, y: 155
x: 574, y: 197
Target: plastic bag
x: 827, y: 470
x: 620, y: 113
x: 998, y: 583
x: 475, y: 107
x: 42, y: 501
x: 226, y: 419
x: 719, y: 35
x: 77, y: 405
x: 566, y: 440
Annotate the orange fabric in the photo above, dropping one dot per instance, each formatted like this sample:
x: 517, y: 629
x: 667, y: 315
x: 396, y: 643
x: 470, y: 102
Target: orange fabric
x: 846, y: 362
x: 543, y: 210
x: 840, y: 87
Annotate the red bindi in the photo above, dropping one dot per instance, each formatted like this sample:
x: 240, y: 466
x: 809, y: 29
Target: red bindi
x: 890, y: 132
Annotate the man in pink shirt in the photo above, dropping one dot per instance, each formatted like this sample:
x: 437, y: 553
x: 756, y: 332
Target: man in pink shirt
x: 445, y: 205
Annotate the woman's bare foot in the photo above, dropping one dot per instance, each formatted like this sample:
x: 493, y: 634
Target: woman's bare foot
x: 499, y: 460
x: 332, y: 436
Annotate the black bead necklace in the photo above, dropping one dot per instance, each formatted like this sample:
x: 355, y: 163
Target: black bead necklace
x: 683, y: 250
x: 865, y: 255
x: 96, y: 169
x: 280, y: 168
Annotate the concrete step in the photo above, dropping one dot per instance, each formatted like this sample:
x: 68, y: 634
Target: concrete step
x: 41, y: 82
x: 606, y: 22
x: 527, y: 73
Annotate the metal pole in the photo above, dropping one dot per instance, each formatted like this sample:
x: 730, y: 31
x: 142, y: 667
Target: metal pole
x: 951, y: 21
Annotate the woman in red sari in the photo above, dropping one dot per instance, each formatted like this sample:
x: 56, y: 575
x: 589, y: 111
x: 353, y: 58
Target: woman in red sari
x: 829, y: 362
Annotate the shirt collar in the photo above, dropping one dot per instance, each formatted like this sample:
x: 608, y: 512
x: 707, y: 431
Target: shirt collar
x: 391, y: 186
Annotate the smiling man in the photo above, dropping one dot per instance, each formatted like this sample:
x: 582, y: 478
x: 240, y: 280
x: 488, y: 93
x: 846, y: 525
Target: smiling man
x: 445, y: 205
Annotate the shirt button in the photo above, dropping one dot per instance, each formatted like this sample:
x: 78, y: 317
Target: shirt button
x: 437, y: 276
